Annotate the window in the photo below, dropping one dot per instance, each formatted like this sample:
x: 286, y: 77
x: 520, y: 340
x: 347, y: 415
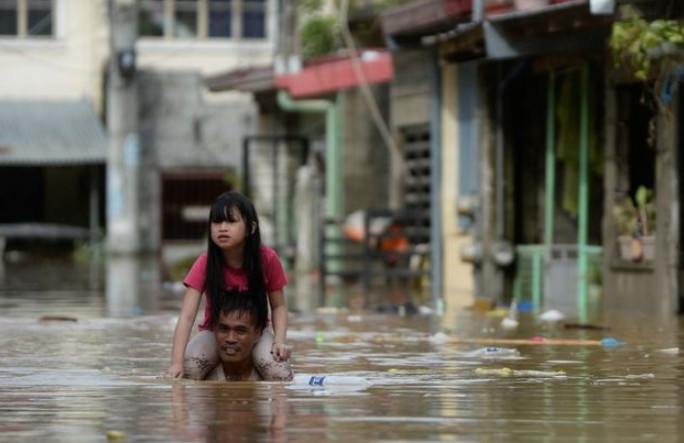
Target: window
x: 220, y: 18
x: 185, y: 19
x: 151, y: 20
x: 26, y: 18
x: 190, y: 19
x: 253, y: 18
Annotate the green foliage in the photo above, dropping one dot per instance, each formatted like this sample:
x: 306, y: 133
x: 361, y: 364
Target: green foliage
x: 232, y: 179
x: 320, y: 35
x: 638, y: 214
x: 639, y: 45
x: 85, y: 250
x: 310, y: 6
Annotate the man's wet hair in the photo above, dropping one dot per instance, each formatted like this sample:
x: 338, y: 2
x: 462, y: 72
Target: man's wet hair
x: 243, y: 302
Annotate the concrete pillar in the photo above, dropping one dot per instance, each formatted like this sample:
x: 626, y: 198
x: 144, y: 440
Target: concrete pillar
x: 123, y: 157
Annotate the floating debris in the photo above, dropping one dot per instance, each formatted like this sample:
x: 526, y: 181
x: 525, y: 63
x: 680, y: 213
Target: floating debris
x: 585, y: 326
x: 116, y: 436
x: 439, y: 338
x: 508, y: 372
x: 639, y: 376
x: 493, y: 352
x: 672, y: 351
x: 609, y: 341
x: 552, y: 316
x: 504, y: 372
x: 509, y: 323
x: 57, y: 318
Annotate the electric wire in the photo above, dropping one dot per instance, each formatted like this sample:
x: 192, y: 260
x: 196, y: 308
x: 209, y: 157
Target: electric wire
x: 367, y: 94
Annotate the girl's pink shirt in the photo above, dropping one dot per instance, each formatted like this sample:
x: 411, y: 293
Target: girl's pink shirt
x: 274, y: 278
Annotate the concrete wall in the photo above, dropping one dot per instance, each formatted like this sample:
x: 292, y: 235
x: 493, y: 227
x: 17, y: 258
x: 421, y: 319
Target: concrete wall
x: 181, y: 125
x: 365, y: 156
x: 643, y: 288
x: 71, y: 65
x: 68, y: 66
x: 180, y: 130
x: 410, y: 90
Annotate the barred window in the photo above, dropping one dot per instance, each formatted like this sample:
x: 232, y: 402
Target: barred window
x: 192, y: 19
x: 27, y: 18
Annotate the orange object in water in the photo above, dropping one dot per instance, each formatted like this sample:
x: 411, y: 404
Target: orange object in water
x: 395, y: 242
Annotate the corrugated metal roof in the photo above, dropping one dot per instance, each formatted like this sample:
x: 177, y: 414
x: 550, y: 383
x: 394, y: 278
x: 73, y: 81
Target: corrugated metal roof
x: 35, y: 133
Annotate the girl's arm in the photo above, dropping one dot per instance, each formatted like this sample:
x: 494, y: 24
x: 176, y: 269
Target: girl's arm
x: 279, y: 318
x: 181, y: 335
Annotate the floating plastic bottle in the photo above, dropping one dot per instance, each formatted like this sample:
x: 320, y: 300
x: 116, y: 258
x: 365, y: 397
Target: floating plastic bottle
x: 609, y: 341
x: 493, y: 352
x: 330, y: 381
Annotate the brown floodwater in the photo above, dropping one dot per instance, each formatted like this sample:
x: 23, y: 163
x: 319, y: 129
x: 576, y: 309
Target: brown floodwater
x: 398, y: 378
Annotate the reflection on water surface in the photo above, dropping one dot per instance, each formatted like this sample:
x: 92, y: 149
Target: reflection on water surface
x: 78, y: 381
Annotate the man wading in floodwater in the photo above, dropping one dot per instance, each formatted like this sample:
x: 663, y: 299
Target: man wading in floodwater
x: 237, y: 326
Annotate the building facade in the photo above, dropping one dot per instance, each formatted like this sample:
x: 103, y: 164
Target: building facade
x: 59, y: 51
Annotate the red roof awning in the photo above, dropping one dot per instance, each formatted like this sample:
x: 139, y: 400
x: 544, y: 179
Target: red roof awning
x: 252, y: 79
x: 329, y: 75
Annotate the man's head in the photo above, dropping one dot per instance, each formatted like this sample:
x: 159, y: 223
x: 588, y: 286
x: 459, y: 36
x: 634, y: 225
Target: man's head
x: 241, y: 319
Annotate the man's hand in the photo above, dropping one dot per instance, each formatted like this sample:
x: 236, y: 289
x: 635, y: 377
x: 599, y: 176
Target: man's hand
x: 280, y: 351
x: 175, y: 371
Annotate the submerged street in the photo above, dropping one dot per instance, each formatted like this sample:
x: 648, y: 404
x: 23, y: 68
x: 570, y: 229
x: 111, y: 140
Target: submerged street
x: 81, y: 364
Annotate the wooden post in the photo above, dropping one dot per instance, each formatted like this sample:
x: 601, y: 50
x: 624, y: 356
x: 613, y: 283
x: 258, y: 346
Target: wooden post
x: 667, y: 210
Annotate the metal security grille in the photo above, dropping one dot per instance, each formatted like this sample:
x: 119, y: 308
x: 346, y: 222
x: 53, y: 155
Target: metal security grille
x: 417, y: 182
x: 186, y: 200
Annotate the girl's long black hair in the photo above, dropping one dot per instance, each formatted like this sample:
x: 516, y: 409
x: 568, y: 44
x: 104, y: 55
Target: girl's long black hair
x: 215, y: 285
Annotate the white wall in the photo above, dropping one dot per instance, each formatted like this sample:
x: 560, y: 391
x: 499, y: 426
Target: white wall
x: 68, y: 66
x: 72, y: 65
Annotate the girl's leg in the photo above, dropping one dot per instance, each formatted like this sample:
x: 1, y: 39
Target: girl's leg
x: 270, y: 369
x: 201, y: 356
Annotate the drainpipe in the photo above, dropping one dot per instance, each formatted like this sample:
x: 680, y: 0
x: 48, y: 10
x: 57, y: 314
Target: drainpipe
x: 583, y: 215
x: 550, y: 196
x: 333, y: 157
x: 478, y: 11
x: 436, y: 188
x: 550, y: 185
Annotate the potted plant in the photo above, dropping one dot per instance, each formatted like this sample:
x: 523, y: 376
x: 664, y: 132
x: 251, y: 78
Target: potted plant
x: 635, y: 222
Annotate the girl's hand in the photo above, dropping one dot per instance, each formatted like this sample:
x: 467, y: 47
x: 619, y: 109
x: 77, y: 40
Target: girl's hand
x: 175, y: 371
x: 280, y: 351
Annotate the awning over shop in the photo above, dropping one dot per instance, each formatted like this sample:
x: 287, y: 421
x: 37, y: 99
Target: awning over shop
x: 562, y: 26
x: 331, y: 74
x: 419, y: 16
x: 252, y: 79
x: 50, y: 133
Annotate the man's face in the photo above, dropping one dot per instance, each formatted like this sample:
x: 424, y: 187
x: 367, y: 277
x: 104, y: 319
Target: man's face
x: 236, y: 335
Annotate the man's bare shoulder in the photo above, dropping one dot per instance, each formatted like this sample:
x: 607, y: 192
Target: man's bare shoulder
x: 217, y: 374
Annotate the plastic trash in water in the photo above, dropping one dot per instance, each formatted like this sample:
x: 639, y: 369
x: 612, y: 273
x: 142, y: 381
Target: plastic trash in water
x: 424, y: 310
x: 509, y: 323
x: 672, y: 351
x: 439, y: 338
x: 494, y: 352
x: 609, y: 341
x: 525, y: 306
x: 552, y: 315
x: 538, y: 339
x: 345, y: 382
x: 508, y: 372
x: 511, y: 320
